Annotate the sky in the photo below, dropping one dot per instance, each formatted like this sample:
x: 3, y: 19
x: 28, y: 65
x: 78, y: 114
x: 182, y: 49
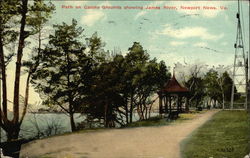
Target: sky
x: 173, y: 35
x: 169, y: 35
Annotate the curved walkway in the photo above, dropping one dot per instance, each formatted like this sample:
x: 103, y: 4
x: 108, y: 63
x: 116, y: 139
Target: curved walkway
x: 144, y: 142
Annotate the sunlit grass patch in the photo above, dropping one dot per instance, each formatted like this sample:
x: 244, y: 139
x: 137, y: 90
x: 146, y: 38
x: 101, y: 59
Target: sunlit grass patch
x: 225, y: 135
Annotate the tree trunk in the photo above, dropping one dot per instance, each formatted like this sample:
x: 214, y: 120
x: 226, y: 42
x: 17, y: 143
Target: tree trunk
x: 140, y: 111
x: 71, y: 114
x: 211, y: 103
x: 126, y: 111
x: 149, y: 110
x: 26, y: 99
x: 12, y: 132
x: 197, y: 103
x: 131, y: 108
x: 146, y: 112
x: 106, y: 114
x: 223, y: 101
x: 4, y: 87
x: 12, y: 128
x: 18, y: 63
x: 70, y: 96
x: 72, y: 122
x: 160, y: 103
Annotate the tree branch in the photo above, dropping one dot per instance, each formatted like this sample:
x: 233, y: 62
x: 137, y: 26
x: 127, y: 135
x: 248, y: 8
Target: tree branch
x: 26, y: 97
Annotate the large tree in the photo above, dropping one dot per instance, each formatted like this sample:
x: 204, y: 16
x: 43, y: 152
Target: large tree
x: 64, y: 70
x: 134, y: 61
x: 197, y: 90
x: 15, y: 27
x: 213, y: 88
x: 219, y: 87
x: 193, y: 80
x: 150, y: 80
x: 105, y: 97
x: 143, y: 78
x: 124, y: 84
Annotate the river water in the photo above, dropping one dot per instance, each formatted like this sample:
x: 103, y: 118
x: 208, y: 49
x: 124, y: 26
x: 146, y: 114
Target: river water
x: 45, y: 122
x: 48, y: 122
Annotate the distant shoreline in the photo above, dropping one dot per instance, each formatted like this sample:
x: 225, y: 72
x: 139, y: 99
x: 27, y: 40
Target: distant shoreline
x: 47, y: 112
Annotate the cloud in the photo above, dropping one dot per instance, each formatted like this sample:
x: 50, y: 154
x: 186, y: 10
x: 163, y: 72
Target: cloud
x: 177, y: 43
x: 170, y: 58
x: 188, y: 32
x: 224, y: 43
x: 152, y: 35
x: 200, y: 44
x: 141, y: 13
x: 92, y: 16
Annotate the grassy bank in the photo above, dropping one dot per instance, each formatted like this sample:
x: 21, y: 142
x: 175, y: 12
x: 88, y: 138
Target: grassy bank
x: 159, y: 121
x: 226, y: 135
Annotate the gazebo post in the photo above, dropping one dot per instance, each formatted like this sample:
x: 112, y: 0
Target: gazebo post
x: 180, y: 102
x: 165, y: 105
x: 187, y: 105
x: 170, y: 106
x: 160, y: 102
x: 166, y: 108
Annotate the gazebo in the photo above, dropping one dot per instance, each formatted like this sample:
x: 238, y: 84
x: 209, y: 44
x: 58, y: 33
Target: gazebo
x: 173, y: 98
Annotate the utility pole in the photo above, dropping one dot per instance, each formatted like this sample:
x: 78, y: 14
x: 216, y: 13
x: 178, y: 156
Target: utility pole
x: 0, y: 101
x: 240, y: 72
x: 248, y: 81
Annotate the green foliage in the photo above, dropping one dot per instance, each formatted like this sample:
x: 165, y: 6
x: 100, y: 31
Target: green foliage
x: 219, y: 87
x: 104, y: 96
x: 58, y: 72
x: 197, y: 90
x: 144, y: 77
x: 37, y: 15
x: 123, y: 84
x: 95, y: 45
x: 225, y: 135
x: 227, y: 83
x: 10, y: 10
x: 212, y: 85
x: 64, y: 69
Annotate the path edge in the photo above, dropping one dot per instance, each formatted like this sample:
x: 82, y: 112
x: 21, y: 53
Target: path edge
x: 186, y: 140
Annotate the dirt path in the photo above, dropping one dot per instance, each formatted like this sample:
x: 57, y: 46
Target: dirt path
x: 145, y: 142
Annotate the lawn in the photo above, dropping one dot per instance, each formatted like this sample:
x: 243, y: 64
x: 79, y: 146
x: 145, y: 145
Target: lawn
x: 159, y: 121
x: 226, y: 135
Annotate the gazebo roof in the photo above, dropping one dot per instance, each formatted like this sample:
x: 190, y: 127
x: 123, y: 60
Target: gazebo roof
x: 173, y: 86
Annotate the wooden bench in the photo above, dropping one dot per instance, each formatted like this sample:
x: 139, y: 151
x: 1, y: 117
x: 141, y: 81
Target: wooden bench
x: 173, y: 115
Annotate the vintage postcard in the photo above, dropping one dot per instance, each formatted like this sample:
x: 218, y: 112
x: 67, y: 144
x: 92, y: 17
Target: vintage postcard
x: 124, y: 79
